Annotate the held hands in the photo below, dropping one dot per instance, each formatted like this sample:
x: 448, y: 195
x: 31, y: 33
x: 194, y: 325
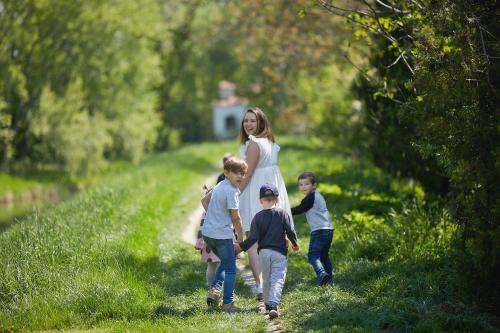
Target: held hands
x: 237, y: 248
x: 206, y: 189
x: 199, y: 244
x: 295, y: 248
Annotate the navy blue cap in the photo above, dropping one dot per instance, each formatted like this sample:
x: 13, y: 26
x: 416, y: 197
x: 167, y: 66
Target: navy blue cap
x: 268, y: 190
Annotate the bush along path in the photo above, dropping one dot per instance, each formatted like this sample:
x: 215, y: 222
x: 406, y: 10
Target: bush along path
x: 113, y: 259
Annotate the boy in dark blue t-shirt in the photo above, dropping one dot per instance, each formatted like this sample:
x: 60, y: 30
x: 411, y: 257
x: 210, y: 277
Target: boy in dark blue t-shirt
x: 269, y: 228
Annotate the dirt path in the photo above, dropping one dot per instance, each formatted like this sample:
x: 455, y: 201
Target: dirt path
x: 189, y: 233
x: 189, y: 236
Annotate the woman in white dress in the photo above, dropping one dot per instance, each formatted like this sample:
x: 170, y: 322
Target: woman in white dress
x: 261, y: 154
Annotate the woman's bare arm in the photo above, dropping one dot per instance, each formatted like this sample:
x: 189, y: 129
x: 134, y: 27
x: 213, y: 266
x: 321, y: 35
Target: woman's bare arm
x: 253, y: 153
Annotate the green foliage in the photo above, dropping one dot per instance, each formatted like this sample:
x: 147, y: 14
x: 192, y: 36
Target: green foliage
x: 456, y: 60
x: 330, y: 111
x: 77, y: 81
x: 396, y: 264
x: 66, y: 132
x: 197, y: 56
x: 432, y: 113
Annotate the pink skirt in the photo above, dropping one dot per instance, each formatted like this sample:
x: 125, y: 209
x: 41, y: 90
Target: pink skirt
x: 206, y: 254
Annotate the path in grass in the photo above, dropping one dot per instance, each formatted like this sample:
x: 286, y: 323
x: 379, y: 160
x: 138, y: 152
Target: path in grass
x: 112, y: 258
x: 188, y: 236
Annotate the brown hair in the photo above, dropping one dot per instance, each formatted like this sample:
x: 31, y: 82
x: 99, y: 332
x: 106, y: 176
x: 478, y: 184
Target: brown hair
x: 263, y: 126
x: 227, y: 157
x: 235, y: 165
x: 307, y: 175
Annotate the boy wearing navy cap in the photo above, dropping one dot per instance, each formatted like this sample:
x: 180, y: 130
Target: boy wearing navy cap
x: 269, y: 228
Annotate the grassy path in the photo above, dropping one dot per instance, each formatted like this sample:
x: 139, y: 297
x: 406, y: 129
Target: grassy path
x: 190, y: 230
x: 112, y: 259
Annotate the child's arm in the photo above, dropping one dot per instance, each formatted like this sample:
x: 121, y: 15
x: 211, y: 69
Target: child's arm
x: 290, y: 232
x: 306, y: 204
x: 205, y: 201
x: 236, y: 219
x: 252, y: 238
x: 199, y: 239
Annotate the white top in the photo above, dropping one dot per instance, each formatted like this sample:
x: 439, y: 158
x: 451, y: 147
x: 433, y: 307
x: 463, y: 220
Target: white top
x: 218, y: 222
x: 318, y: 216
x: 266, y: 171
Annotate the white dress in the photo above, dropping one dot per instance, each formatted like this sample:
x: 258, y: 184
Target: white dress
x: 266, y: 171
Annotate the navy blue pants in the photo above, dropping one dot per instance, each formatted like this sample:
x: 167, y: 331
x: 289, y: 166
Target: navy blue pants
x: 318, y: 251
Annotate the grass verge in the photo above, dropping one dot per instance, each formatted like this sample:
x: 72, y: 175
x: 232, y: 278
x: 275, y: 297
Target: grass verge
x: 110, y: 259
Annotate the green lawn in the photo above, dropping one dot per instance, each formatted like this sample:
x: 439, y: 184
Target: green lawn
x: 24, y: 191
x: 111, y: 259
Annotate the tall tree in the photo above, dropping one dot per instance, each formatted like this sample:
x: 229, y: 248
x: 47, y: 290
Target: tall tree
x: 432, y: 84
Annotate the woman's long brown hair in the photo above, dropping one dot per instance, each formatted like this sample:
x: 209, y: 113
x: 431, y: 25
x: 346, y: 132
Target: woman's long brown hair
x: 263, y: 126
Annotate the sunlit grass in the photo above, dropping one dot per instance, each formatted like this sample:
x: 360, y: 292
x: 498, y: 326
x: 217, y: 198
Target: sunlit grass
x: 111, y: 258
x: 393, y: 254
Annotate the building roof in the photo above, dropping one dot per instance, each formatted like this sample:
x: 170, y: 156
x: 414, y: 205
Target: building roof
x: 230, y: 101
x: 226, y: 85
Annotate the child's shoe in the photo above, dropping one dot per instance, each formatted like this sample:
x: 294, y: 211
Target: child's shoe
x: 273, y: 312
x: 229, y: 308
x: 257, y: 291
x: 267, y: 307
x: 324, y: 279
x: 214, y: 296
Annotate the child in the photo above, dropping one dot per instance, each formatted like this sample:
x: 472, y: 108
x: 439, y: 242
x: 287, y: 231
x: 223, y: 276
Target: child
x: 206, y: 255
x: 269, y: 228
x: 226, y: 157
x: 318, y: 217
x: 222, y: 216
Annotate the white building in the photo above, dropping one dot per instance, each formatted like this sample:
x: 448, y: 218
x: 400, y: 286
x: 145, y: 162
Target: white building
x: 228, y: 111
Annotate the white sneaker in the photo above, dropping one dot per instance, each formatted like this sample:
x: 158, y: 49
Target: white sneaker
x: 257, y: 291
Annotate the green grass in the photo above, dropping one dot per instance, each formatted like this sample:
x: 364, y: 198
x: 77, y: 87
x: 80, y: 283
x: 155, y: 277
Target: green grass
x: 111, y: 259
x: 23, y: 190
x: 393, y: 254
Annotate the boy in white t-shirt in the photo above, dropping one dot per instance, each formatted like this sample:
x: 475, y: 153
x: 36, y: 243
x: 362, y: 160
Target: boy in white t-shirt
x: 222, y: 216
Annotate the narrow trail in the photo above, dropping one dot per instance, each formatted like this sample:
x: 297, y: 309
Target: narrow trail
x: 189, y: 236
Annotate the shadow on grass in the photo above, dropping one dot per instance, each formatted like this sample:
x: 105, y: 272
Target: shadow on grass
x: 410, y: 294
x: 180, y: 278
x: 419, y: 295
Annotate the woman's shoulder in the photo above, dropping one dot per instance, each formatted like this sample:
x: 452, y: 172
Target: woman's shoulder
x: 259, y: 140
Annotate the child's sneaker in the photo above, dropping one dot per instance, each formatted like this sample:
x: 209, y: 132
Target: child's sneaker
x: 257, y: 291
x: 273, y: 312
x: 229, y: 308
x: 214, y: 296
x: 324, y: 279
